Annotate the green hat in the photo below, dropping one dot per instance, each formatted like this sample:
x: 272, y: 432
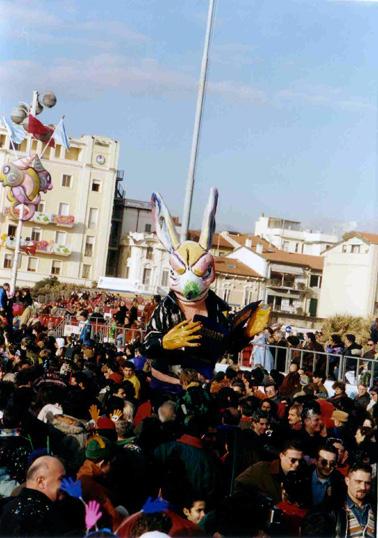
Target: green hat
x: 98, y: 448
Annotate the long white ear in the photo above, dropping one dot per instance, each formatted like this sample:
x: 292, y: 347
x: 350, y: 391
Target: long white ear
x: 165, y: 229
x: 208, y: 223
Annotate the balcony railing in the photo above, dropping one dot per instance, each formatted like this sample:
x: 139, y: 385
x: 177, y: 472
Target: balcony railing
x: 31, y: 247
x: 67, y: 221
x: 286, y: 285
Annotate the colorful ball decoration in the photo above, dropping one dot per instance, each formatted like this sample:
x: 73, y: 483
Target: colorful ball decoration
x: 49, y: 99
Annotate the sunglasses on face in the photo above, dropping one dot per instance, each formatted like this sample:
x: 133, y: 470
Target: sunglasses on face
x: 327, y: 463
x: 295, y: 460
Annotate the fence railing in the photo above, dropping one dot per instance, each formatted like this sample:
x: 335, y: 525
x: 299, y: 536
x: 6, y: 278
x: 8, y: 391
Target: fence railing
x: 331, y: 365
x: 101, y: 332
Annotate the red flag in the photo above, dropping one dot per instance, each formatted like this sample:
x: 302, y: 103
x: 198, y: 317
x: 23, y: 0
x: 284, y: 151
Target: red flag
x: 40, y: 131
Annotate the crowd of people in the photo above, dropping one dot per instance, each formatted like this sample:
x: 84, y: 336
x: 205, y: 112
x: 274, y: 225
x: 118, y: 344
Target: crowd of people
x: 92, y: 444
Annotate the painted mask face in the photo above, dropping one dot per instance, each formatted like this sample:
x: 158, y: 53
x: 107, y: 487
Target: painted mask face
x: 191, y: 271
x: 191, y: 264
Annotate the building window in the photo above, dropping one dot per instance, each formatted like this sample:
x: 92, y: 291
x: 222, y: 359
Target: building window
x: 147, y: 228
x: 66, y: 180
x: 32, y: 264
x: 64, y: 209
x: 72, y: 154
x: 41, y: 207
x: 164, y: 279
x: 356, y: 249
x: 89, y: 244
x: 8, y: 261
x: 149, y: 253
x: 345, y: 248
x: 296, y: 247
x: 56, y: 267
x: 58, y: 151
x: 36, y: 234
x: 96, y: 185
x: 315, y: 281
x: 226, y: 295
x: 60, y: 238
x: 146, y: 276
x: 12, y: 230
x: 86, y: 271
x: 286, y: 245
x: 92, y: 218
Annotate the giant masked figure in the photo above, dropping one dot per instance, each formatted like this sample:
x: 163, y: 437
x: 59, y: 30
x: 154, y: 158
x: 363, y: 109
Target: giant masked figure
x: 191, y: 326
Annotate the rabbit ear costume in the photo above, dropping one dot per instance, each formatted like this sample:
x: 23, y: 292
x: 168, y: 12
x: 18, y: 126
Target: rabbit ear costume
x: 191, y: 326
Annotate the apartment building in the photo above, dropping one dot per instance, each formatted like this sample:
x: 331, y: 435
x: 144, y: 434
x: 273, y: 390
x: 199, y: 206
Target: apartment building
x: 289, y: 235
x: 68, y: 236
x: 292, y: 281
x: 350, y: 277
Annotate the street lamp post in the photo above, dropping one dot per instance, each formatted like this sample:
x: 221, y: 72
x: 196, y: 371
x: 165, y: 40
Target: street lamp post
x: 197, y: 126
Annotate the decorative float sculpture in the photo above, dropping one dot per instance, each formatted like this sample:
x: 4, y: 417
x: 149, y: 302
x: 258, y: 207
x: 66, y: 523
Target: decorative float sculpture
x: 26, y: 179
x: 191, y: 326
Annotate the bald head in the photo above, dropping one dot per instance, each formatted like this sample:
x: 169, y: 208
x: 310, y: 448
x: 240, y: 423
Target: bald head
x: 45, y: 475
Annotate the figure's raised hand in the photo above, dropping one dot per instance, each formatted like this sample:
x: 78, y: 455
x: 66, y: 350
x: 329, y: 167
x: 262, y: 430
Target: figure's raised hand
x: 92, y: 514
x: 153, y: 506
x: 94, y: 412
x: 258, y: 321
x: 185, y: 334
x: 72, y: 487
x: 116, y: 415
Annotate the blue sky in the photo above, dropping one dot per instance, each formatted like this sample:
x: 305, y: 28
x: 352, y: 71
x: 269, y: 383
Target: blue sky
x: 290, y: 118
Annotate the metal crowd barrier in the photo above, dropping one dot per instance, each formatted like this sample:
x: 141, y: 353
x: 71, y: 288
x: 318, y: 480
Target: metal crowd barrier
x: 105, y: 332
x: 332, y: 365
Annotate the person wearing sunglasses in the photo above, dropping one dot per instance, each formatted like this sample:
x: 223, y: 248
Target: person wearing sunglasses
x: 327, y: 484
x: 266, y: 476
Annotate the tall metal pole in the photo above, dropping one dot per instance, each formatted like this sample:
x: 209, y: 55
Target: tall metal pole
x: 17, y: 249
x: 197, y: 126
x: 21, y: 211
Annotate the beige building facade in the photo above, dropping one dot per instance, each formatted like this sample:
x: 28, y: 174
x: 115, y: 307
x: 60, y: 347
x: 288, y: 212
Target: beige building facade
x: 350, y: 277
x: 68, y: 236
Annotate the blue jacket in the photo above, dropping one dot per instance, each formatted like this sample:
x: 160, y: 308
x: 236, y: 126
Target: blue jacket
x: 3, y: 299
x: 85, y: 334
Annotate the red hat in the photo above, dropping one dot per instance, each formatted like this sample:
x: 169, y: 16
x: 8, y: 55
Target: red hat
x: 104, y: 423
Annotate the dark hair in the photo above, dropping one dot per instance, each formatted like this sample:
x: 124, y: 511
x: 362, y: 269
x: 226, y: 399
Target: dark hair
x: 327, y: 447
x: 339, y: 385
x: 336, y: 339
x: 310, y: 408
x: 291, y: 444
x: 190, y: 499
x: 129, y: 364
x: 158, y: 521
x: 258, y: 414
x: 311, y: 337
x: 230, y: 373
x: 358, y: 466
x: 351, y: 338
x: 319, y: 374
x: 293, y: 340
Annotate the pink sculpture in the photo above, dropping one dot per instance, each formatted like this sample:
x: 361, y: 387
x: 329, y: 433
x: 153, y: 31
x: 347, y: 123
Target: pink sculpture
x: 26, y: 179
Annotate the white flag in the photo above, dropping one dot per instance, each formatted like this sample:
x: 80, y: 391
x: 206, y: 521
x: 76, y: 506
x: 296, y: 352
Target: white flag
x: 16, y: 132
x: 60, y: 135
